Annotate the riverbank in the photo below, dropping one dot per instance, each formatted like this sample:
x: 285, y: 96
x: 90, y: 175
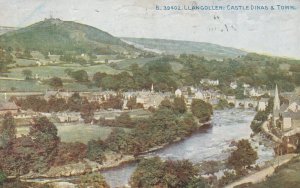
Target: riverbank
x: 86, y: 166
x: 76, y: 169
x: 206, y: 144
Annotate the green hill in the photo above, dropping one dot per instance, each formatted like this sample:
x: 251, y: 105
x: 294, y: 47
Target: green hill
x: 176, y: 47
x: 4, y: 29
x: 55, y: 35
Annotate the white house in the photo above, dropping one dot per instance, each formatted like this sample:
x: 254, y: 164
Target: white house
x: 210, y: 82
x: 199, y: 95
x: 262, y: 104
x: 286, y: 121
x: 233, y: 85
x: 246, y: 85
x: 178, y: 93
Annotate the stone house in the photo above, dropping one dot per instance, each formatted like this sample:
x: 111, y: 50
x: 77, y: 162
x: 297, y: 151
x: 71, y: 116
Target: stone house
x: 9, y: 107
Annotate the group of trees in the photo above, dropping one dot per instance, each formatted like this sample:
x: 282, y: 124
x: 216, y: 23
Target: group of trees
x: 295, y: 70
x: 23, y: 54
x: 256, y: 70
x: 40, y: 149
x: 239, y: 160
x: 252, y: 69
x: 72, y: 59
x: 78, y: 75
x: 157, y: 173
x: 167, y: 124
x: 95, y: 180
x: 124, y: 120
x: 5, y: 59
x: 178, y: 106
x: 159, y: 73
x: 201, y: 110
x: 35, y: 152
x: 56, y: 82
x: 8, y: 129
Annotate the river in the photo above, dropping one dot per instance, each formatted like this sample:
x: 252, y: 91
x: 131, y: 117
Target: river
x: 211, y: 143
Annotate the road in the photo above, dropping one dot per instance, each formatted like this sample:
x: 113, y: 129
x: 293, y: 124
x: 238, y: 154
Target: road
x: 262, y: 174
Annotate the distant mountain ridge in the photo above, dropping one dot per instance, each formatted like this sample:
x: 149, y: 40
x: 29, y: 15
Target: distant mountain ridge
x: 176, y: 47
x: 55, y: 34
x: 5, y: 29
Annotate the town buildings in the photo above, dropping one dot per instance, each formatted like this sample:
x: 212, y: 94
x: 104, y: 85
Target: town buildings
x: 286, y: 115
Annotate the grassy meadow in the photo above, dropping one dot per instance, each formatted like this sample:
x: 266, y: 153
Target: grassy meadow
x: 76, y: 132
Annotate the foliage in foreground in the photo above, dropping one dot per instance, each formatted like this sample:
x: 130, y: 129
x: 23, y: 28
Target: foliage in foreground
x: 243, y: 156
x: 287, y: 176
x: 156, y: 173
x: 95, y: 180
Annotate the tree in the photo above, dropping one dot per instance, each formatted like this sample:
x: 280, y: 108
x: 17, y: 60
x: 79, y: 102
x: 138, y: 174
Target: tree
x: 166, y: 103
x: 27, y: 73
x: 74, y: 102
x: 156, y: 173
x: 124, y: 120
x: 80, y: 75
x: 8, y: 129
x: 149, y: 173
x: 5, y: 59
x: 56, y: 82
x: 95, y: 151
x: 201, y: 109
x: 34, y: 103
x: 35, y: 152
x: 9, y: 125
x: 97, y: 78
x: 95, y: 180
x: 57, y: 104
x: 87, y: 111
x: 44, y: 134
x: 68, y: 153
x: 179, y: 105
x: 243, y: 156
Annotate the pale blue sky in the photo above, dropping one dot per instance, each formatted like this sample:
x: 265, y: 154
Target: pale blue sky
x: 270, y: 32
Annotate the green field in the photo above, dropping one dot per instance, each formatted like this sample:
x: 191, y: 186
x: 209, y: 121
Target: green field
x: 76, y: 132
x: 28, y: 86
x: 59, y: 71
x: 8, y: 85
x: 125, y: 65
x: 25, y: 62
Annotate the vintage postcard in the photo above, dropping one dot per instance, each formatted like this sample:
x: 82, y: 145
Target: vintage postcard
x: 149, y: 93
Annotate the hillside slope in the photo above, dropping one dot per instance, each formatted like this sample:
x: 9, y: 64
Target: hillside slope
x: 57, y: 35
x: 4, y: 29
x: 176, y: 47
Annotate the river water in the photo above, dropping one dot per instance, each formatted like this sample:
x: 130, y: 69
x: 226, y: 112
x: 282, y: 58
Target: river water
x: 212, y: 143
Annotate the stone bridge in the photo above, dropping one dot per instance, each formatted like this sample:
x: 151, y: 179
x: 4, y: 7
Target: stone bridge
x: 244, y: 103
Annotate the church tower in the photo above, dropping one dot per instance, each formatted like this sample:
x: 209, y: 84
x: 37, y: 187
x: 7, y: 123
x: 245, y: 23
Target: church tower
x: 152, y: 89
x: 276, y: 106
x: 276, y: 100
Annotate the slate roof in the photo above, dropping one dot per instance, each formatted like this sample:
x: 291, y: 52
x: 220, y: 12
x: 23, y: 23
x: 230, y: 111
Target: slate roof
x: 8, y: 106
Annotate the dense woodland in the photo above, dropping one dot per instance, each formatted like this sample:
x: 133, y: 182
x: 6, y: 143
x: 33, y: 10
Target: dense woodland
x: 253, y: 69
